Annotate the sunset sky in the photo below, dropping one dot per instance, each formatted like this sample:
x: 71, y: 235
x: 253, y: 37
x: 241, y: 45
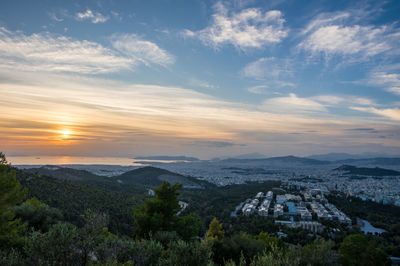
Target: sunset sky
x: 199, y: 78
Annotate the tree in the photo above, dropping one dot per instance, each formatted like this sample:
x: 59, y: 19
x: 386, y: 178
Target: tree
x: 11, y: 194
x: 356, y: 250
x: 187, y: 253
x: 271, y: 241
x: 58, y: 246
x: 160, y: 214
x: 215, y: 231
x: 38, y: 215
x: 320, y: 252
x: 3, y: 159
x: 376, y: 257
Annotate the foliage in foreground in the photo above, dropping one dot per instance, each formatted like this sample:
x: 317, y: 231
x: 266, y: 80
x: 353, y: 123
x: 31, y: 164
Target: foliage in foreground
x: 32, y: 233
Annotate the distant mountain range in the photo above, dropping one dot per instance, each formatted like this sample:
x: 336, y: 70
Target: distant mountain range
x: 168, y: 158
x: 328, y: 157
x: 242, y: 156
x: 347, y: 156
x: 284, y: 159
x: 365, y: 171
x: 294, y: 160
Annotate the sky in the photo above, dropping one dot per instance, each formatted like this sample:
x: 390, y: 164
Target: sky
x: 199, y: 78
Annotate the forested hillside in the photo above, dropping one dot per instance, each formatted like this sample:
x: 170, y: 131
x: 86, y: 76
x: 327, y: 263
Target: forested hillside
x: 56, y: 221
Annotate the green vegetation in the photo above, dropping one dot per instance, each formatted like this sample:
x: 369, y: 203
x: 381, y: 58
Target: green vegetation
x: 160, y: 214
x: 379, y: 215
x: 79, y: 222
x: 215, y: 232
x: 356, y: 250
x: 11, y: 194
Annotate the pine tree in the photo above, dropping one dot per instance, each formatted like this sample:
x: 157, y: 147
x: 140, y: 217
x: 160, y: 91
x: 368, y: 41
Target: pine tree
x: 11, y: 194
x: 159, y: 214
x: 215, y: 231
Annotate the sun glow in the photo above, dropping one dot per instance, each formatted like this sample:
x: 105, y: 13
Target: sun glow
x: 65, y: 133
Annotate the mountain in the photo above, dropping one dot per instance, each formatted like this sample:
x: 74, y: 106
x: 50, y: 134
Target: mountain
x: 332, y: 156
x: 347, y: 156
x: 372, y: 161
x: 353, y: 170
x: 168, y: 158
x: 290, y: 160
x: 153, y: 177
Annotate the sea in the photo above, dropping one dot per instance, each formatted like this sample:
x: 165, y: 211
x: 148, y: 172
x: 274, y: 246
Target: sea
x: 81, y: 160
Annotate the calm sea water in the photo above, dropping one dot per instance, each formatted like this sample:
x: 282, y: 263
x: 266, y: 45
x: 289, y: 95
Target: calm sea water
x: 60, y: 160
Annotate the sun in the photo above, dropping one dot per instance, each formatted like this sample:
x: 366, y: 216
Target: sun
x: 65, y: 133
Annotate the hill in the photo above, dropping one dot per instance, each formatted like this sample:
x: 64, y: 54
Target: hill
x: 86, y: 178
x: 65, y: 173
x: 353, y: 170
x: 74, y: 198
x: 153, y: 177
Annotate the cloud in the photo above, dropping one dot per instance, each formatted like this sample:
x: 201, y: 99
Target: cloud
x: 293, y: 104
x: 276, y: 72
x: 144, y: 51
x: 325, y: 19
x: 54, y: 17
x: 363, y: 129
x: 260, y: 89
x: 216, y: 144
x: 116, y: 15
x: 201, y: 83
x: 347, y: 40
x: 47, y: 52
x: 343, y: 100
x: 56, y: 53
x: 390, y: 81
x: 391, y: 113
x: 94, y: 17
x: 249, y: 28
x: 267, y: 68
x: 111, y: 117
x: 338, y: 34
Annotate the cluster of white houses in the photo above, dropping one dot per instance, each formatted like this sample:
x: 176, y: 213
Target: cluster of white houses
x: 291, y: 206
x: 250, y: 206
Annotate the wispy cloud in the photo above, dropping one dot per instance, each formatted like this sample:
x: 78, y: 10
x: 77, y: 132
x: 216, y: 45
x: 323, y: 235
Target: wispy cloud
x: 54, y: 17
x: 390, y: 81
x: 270, y: 68
x: 391, y: 113
x: 57, y: 53
x: 118, y: 117
x: 201, y: 83
x: 260, y: 89
x: 216, y: 144
x: 293, y: 105
x: 136, y: 48
x: 343, y: 100
x: 338, y: 34
x: 273, y: 72
x: 93, y: 16
x: 249, y: 28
